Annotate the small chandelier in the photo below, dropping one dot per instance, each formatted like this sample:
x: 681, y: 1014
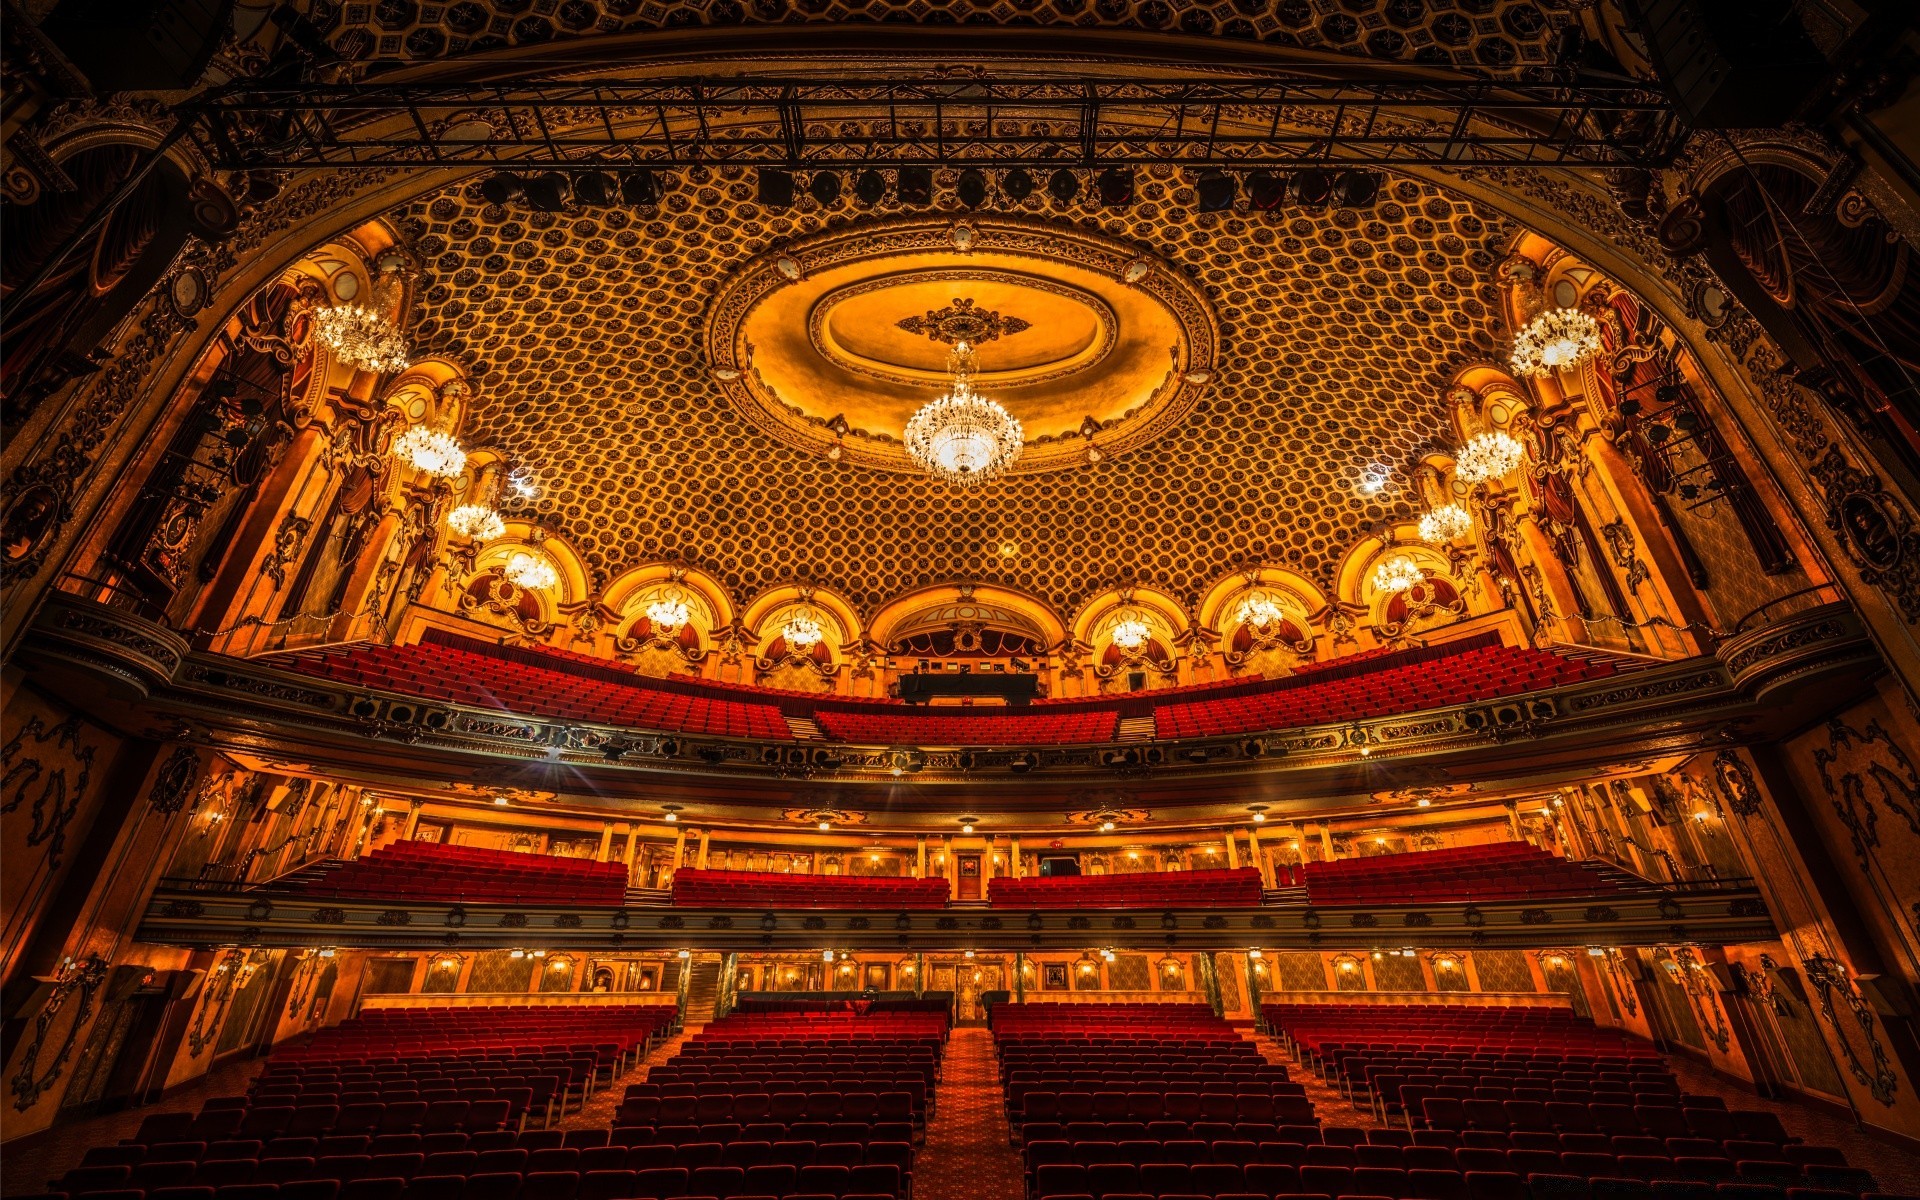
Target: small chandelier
x: 1488, y: 456
x: 802, y: 631
x: 362, y: 336
x: 531, y: 572
x: 1130, y: 632
x: 961, y: 437
x: 477, y: 522
x: 1559, y: 339
x: 1444, y: 524
x: 1258, y: 610
x: 1397, y: 574
x: 667, y: 614
x: 431, y: 451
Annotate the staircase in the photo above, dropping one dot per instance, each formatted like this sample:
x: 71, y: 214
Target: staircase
x: 804, y: 729
x: 703, y: 992
x: 1135, y: 729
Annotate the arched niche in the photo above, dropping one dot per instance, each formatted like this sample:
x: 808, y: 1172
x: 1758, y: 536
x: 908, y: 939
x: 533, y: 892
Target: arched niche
x: 970, y: 616
x: 488, y: 595
x: 800, y: 668
x: 655, y: 647
x: 1240, y: 610
x: 1153, y: 663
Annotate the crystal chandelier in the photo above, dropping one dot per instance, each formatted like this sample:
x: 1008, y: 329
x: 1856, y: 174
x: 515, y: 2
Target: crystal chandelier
x: 1559, y: 339
x: 361, y: 335
x: 667, y: 614
x: 802, y: 631
x: 477, y: 522
x: 1444, y: 524
x: 1397, y: 574
x: 531, y: 572
x: 1487, y: 456
x: 960, y: 436
x: 431, y: 451
x: 1130, y: 632
x: 1258, y: 610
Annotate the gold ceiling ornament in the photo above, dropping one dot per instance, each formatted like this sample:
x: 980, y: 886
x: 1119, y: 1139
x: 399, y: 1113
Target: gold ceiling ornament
x: 532, y: 572
x: 363, y: 336
x: 960, y: 436
x: 1558, y: 339
x: 432, y: 451
x: 1488, y: 456
x: 963, y: 321
x: 1397, y: 574
x: 1444, y: 524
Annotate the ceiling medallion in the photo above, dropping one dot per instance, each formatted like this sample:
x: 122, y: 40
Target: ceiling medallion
x: 1559, y: 339
x: 961, y: 437
x: 961, y: 322
x: 1488, y: 456
x: 824, y: 359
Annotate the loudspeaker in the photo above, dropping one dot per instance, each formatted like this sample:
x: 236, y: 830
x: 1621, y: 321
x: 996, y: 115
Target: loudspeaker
x: 139, y: 45
x: 1732, y: 64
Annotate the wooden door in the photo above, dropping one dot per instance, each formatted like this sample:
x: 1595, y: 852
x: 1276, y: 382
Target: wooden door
x: 969, y: 868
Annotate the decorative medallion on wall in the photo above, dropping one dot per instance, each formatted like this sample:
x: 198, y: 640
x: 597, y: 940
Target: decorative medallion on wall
x: 830, y: 342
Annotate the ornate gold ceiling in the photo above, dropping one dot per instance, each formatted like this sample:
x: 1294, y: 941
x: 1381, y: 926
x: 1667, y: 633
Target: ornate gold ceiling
x: 1484, y: 35
x: 584, y: 338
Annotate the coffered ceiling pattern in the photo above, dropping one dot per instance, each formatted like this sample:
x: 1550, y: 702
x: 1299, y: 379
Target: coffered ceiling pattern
x: 582, y: 335
x: 1484, y: 35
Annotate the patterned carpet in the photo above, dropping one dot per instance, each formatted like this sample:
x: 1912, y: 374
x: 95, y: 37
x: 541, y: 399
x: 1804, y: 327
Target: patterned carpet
x: 1328, y: 1105
x: 967, y: 1155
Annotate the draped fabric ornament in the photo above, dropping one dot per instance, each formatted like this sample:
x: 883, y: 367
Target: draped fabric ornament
x: 1559, y: 339
x: 431, y: 451
x: 1397, y: 574
x: 1488, y: 456
x: 1444, y: 524
x: 531, y: 572
x: 960, y: 436
x: 362, y: 335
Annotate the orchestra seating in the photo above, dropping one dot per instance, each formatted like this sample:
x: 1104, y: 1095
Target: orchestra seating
x: 404, y: 870
x: 971, y: 727
x: 1499, y: 871
x: 1141, y: 889
x: 770, y: 889
x: 1512, y: 1102
x: 537, y: 683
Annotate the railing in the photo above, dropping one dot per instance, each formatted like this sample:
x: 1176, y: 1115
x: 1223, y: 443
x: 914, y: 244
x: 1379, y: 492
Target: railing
x: 1823, y: 593
x: 1438, y: 999
x: 536, y: 999
x: 1112, y: 996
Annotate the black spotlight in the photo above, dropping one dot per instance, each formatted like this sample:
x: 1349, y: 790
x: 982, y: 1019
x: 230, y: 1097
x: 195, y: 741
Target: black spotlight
x: 870, y: 188
x: 639, y: 188
x: 1356, y: 189
x: 1115, y: 186
x: 1063, y: 185
x: 1313, y: 187
x: 1217, y: 191
x: 825, y: 187
x: 1266, y: 190
x: 972, y: 188
x: 915, y: 185
x: 501, y: 186
x: 547, y: 193
x: 773, y: 187
x: 595, y: 189
x: 1017, y: 184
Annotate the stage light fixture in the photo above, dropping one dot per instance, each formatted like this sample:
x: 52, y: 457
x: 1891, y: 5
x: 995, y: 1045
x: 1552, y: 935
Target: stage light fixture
x: 1217, y: 191
x: 1313, y: 187
x: 773, y: 187
x: 971, y: 188
x: 870, y: 188
x: 501, y: 187
x: 1115, y: 185
x: 1063, y: 185
x: 639, y: 188
x: 547, y: 193
x: 825, y: 188
x: 914, y: 185
x: 1266, y: 191
x: 595, y: 189
x: 1356, y: 189
x: 1017, y: 184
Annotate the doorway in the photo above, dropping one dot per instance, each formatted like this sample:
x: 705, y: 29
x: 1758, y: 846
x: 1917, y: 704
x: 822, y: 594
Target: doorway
x: 969, y: 868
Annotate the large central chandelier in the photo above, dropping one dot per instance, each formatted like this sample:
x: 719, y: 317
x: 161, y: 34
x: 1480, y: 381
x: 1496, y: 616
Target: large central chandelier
x: 531, y: 572
x: 962, y: 437
x: 431, y: 451
x: 1559, y: 339
x: 362, y: 335
x: 1397, y: 574
x: 1488, y: 456
x: 1444, y: 524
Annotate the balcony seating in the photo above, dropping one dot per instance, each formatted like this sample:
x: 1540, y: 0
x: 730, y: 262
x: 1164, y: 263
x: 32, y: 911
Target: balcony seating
x: 770, y: 889
x: 1142, y: 889
x: 403, y: 871
x: 1501, y: 871
x: 971, y: 727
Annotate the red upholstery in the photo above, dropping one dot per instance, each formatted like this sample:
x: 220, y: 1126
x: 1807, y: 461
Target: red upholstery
x: 1502, y: 871
x: 979, y: 727
x: 1143, y: 889
x: 770, y: 889
x: 404, y: 871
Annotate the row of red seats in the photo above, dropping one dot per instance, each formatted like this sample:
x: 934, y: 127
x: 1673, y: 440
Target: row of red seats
x: 1504, y: 870
x: 431, y: 871
x: 990, y: 727
x: 1228, y: 888
x: 772, y: 889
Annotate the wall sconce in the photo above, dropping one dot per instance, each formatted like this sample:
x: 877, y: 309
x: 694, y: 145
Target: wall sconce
x: 969, y: 954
